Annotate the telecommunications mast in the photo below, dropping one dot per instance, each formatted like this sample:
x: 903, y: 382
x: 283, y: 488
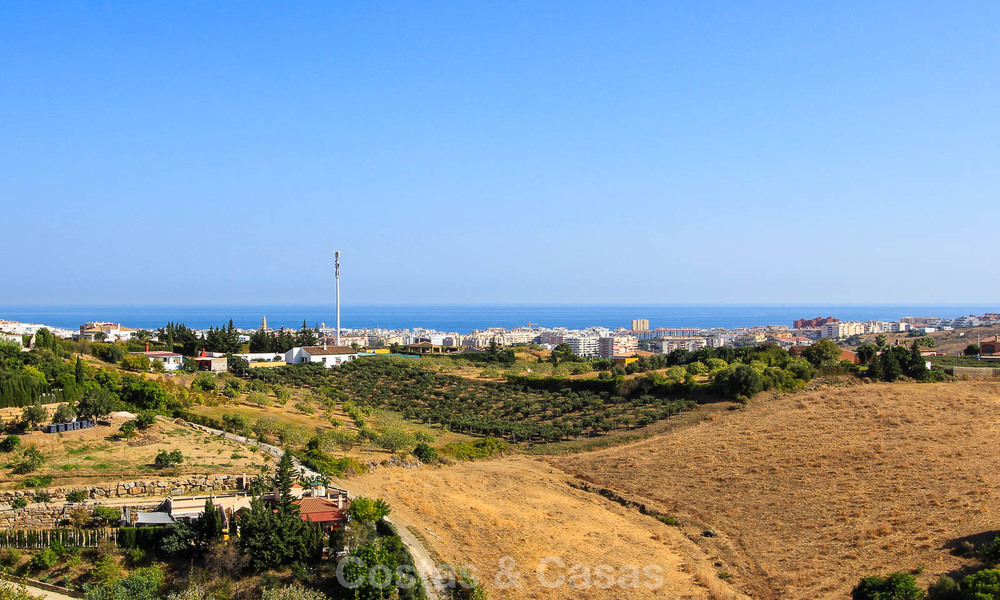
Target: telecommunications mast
x: 336, y: 263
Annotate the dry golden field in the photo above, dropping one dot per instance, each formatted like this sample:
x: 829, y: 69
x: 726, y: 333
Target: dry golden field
x: 810, y: 492
x: 91, y: 457
x: 523, y: 508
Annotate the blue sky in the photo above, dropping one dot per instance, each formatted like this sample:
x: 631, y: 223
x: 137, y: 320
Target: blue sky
x: 574, y: 152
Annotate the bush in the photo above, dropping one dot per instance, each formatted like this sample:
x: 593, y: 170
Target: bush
x: 483, y: 448
x: 77, y: 496
x: 31, y: 459
x: 43, y: 496
x: 944, y: 588
x: 135, y: 556
x: 10, y: 558
x: 10, y: 443
x: 136, y: 362
x: 36, y: 481
x: 19, y: 503
x: 990, y: 551
x: 106, y: 514
x: 897, y: 586
x: 984, y: 585
x: 259, y: 398
x: 145, y: 419
x: 64, y: 413
x: 128, y: 428
x: 34, y: 414
x: 425, y: 453
x: 204, y: 382
x: 168, y: 459
x: 43, y: 560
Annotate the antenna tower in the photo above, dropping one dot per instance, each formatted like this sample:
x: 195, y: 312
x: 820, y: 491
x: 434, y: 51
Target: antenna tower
x: 336, y: 263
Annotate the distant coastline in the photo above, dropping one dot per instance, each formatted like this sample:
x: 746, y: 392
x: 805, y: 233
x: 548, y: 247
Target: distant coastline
x: 466, y: 318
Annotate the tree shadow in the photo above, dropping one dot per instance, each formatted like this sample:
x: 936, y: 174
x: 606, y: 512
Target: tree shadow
x: 969, y: 547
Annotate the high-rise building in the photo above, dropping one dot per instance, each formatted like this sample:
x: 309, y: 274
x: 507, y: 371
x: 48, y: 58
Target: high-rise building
x: 640, y: 324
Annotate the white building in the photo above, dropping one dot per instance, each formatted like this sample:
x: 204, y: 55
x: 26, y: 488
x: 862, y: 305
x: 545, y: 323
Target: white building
x: 171, y: 361
x: 329, y: 356
x: 584, y: 345
x: 842, y: 329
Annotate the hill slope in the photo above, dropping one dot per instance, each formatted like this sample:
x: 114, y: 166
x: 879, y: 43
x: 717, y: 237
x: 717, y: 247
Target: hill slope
x: 813, y: 491
x: 518, y: 507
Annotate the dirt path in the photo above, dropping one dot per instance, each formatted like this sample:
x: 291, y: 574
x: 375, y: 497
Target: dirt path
x: 426, y: 565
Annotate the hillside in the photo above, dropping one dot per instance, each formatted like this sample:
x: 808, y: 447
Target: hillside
x: 812, y: 491
x: 477, y: 513
x: 949, y: 342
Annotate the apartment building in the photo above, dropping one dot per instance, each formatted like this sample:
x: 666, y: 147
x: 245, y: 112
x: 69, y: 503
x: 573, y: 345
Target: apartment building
x: 640, y: 324
x: 668, y: 345
x: 584, y: 345
x: 842, y: 329
x: 618, y: 345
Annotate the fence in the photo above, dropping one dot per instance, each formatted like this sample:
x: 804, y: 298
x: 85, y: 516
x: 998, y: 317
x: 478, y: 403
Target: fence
x: 34, y: 539
x: 973, y: 371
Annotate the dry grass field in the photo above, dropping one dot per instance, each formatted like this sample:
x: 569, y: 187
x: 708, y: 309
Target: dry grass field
x: 522, y: 508
x: 89, y: 457
x: 810, y: 492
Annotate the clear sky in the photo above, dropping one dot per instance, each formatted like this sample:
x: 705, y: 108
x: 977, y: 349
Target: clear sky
x: 557, y: 152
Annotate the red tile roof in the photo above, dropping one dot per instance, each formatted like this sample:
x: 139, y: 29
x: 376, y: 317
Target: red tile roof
x: 320, y: 510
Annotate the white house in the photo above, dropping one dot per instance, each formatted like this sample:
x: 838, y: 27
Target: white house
x: 329, y: 356
x: 171, y: 361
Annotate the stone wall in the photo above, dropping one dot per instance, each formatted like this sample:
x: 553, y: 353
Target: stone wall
x: 160, y: 488
x: 45, y: 516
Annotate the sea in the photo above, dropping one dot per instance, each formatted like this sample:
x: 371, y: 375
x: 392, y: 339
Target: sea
x: 466, y: 318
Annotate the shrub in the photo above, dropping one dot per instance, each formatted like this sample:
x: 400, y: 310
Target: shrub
x: 43, y: 560
x: 944, y: 588
x: 145, y: 419
x: 19, y: 503
x: 77, y: 496
x: 897, y: 586
x: 394, y: 439
x: 135, y: 556
x: 990, y: 551
x: 128, y: 428
x: 168, y: 459
x: 31, y: 459
x: 34, y: 414
x: 136, y: 362
x: 304, y: 408
x: 984, y: 585
x: 64, y: 413
x: 43, y: 496
x: 37, y: 481
x: 667, y: 520
x: 106, y: 514
x: 483, y: 448
x: 10, y: 558
x: 10, y: 443
x: 425, y: 453
x: 204, y: 382
x: 259, y: 398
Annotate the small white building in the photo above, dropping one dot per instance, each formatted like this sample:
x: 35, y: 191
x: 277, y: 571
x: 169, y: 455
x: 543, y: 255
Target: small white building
x: 328, y: 356
x: 170, y: 360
